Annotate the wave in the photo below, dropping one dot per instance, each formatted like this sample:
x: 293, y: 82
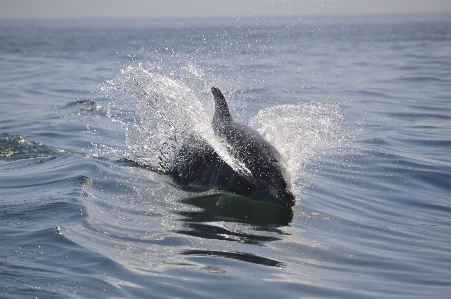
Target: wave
x: 19, y: 147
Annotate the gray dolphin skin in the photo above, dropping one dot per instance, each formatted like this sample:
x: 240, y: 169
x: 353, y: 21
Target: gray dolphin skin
x: 198, y: 165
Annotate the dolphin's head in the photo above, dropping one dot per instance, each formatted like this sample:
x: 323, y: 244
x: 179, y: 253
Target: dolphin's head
x: 273, y: 185
x: 285, y: 197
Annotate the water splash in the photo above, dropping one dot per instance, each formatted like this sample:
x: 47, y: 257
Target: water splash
x: 167, y: 113
x: 301, y: 133
x: 160, y: 110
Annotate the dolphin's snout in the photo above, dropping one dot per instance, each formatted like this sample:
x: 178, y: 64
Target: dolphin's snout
x: 288, y: 199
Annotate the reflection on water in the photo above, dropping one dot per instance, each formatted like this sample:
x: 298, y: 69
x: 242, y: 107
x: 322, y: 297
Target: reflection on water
x: 219, y: 233
x: 246, y: 257
x: 259, y: 222
x: 233, y: 208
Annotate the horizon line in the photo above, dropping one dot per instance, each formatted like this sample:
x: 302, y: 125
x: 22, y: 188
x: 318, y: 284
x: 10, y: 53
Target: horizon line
x: 204, y: 9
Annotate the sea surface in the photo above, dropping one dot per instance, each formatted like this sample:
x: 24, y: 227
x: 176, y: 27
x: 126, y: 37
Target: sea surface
x: 91, y: 113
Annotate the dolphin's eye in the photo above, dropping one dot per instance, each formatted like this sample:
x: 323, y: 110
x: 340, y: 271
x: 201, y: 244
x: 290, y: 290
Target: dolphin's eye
x: 274, y: 161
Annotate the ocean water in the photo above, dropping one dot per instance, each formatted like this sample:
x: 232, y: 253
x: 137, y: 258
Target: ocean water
x: 92, y: 112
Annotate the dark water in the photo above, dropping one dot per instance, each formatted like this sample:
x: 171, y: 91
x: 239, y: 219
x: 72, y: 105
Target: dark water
x: 359, y: 107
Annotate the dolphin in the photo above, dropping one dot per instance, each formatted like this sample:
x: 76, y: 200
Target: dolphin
x: 197, y: 164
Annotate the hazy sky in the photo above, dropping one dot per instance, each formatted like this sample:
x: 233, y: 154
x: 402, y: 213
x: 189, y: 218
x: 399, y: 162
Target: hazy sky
x: 45, y: 9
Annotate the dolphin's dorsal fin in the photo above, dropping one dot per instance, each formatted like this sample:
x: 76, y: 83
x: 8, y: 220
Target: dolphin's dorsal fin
x: 222, y: 113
